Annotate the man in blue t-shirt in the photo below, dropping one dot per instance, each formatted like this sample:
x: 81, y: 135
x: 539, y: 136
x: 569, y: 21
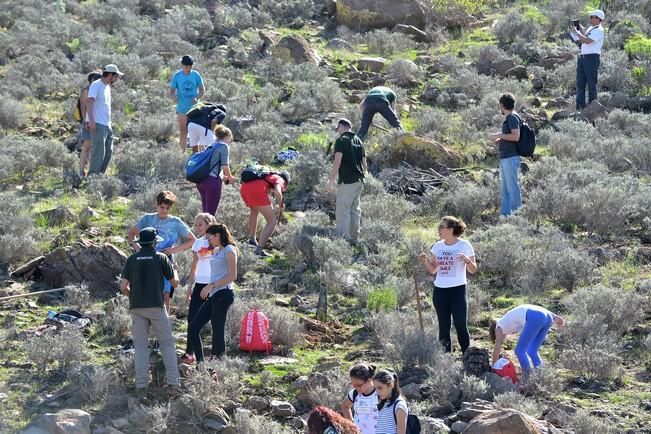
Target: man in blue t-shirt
x: 174, y: 233
x: 186, y: 88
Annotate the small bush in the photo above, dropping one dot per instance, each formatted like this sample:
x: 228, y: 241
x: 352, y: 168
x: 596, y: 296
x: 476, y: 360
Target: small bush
x: 385, y: 43
x: 13, y: 114
x: 404, y: 73
x: 150, y: 160
x: 516, y: 27
x: 309, y: 170
x: 583, y: 423
x: 148, y: 419
x: 518, y: 402
x: 93, y: 383
x: 249, y: 423
x: 118, y: 319
x: 14, y: 249
x: 77, y: 297
x: 47, y: 348
x: 382, y: 299
x: 104, y: 188
x: 598, y: 361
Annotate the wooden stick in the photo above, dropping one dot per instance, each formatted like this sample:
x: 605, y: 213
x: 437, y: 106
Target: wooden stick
x: 11, y: 297
x: 420, y: 312
x: 379, y: 127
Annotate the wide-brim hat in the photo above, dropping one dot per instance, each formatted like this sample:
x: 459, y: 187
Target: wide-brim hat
x: 597, y: 13
x: 148, y: 236
x: 111, y: 67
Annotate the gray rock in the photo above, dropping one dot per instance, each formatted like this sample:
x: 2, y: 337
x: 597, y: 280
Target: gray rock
x: 562, y: 114
x: 519, y: 72
x: 120, y: 423
x: 502, y: 66
x: 551, y: 62
x: 380, y: 13
x: 339, y: 44
x: 538, y: 84
x: 441, y: 410
x: 327, y: 365
x: 458, y: 426
x: 373, y: 64
x: 296, y: 301
x: 426, y: 390
x: 433, y: 425
x: 281, y: 302
x: 557, y: 417
x: 358, y: 84
x: 306, y: 385
x: 69, y: 421
x: 430, y: 95
x: 412, y: 391
x: 56, y: 216
x: 258, y: 403
x: 238, y: 125
x: 507, y: 421
x: 88, y: 213
x: 292, y: 287
x: 299, y: 423
x: 282, y: 409
x: 593, y: 111
x: 470, y: 410
x: 295, y: 49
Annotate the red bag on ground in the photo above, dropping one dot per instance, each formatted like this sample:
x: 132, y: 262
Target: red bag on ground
x: 254, y: 334
x: 505, y: 368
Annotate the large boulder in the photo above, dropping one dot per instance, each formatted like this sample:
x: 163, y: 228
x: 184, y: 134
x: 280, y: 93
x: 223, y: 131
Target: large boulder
x: 295, y: 49
x: 507, y: 421
x: 99, y: 265
x: 380, y: 13
x: 68, y: 421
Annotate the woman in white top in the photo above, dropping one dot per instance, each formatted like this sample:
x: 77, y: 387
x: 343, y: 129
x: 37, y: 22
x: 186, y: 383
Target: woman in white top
x: 392, y: 408
x: 360, y: 405
x: 451, y: 257
x: 202, y: 251
x: 533, y: 324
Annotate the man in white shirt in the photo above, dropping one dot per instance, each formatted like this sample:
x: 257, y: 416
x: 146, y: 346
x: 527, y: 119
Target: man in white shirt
x: 587, y: 68
x: 99, y: 119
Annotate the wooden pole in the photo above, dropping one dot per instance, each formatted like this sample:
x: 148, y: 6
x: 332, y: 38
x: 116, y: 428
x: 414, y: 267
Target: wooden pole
x: 418, y: 306
x: 29, y: 294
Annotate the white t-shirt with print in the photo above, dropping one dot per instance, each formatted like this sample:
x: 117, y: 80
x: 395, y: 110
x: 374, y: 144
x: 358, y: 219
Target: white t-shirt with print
x: 597, y: 35
x: 204, y: 252
x: 101, y: 93
x: 452, y: 270
x: 386, y: 421
x: 365, y: 411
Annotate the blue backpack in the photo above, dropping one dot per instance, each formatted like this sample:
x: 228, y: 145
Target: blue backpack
x: 198, y: 167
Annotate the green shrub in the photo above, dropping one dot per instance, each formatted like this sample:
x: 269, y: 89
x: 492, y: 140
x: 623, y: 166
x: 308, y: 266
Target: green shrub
x: 638, y: 45
x: 382, y: 299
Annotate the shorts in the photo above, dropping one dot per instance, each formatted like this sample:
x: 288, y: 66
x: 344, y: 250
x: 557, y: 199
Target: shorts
x: 255, y: 193
x: 84, y: 132
x: 200, y: 136
x: 183, y: 106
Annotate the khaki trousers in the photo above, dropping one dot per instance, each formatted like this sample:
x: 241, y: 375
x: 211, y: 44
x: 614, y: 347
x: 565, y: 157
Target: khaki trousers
x: 348, y: 213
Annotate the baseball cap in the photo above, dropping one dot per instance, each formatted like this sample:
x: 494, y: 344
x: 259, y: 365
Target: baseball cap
x: 344, y: 121
x: 148, y: 236
x: 112, y: 68
x: 187, y: 60
x: 597, y: 13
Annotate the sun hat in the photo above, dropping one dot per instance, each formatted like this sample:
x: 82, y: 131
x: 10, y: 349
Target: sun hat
x: 597, y: 13
x: 148, y: 236
x: 111, y: 67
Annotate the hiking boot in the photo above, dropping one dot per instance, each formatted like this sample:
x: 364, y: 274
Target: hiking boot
x: 260, y: 253
x: 188, y: 359
x: 252, y: 243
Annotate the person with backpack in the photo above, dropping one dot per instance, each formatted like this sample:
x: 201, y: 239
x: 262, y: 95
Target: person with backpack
x: 255, y: 194
x: 218, y: 295
x: 323, y: 420
x: 381, y: 100
x: 202, y: 253
x: 349, y: 169
x: 360, y: 404
x: 176, y: 235
x: 509, y: 156
x: 533, y: 324
x: 451, y: 258
x: 210, y: 188
x: 98, y: 107
x: 143, y: 277
x: 84, y: 131
x: 186, y: 88
x: 392, y: 406
x: 202, y: 120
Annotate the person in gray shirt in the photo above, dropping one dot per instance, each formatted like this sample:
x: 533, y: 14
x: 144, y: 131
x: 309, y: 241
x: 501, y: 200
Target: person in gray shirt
x: 210, y: 189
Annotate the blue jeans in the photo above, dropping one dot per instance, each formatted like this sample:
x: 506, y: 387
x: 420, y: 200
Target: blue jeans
x: 537, y: 325
x: 510, y: 186
x: 587, y: 72
x: 101, y: 148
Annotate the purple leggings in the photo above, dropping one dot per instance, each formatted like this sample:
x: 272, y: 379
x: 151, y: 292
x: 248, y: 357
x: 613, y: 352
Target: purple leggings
x: 210, y: 190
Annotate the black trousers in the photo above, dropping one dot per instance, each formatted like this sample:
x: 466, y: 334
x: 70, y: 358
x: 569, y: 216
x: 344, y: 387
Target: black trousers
x: 373, y: 106
x: 452, y: 303
x: 587, y: 73
x: 195, y: 304
x: 214, y: 310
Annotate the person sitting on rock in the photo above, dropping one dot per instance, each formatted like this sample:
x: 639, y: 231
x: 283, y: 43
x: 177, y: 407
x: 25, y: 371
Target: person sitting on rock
x: 381, y: 100
x: 323, y: 420
x: 170, y: 228
x: 533, y: 324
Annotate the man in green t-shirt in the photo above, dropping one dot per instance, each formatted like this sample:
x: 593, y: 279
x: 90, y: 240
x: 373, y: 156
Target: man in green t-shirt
x: 381, y: 100
x: 349, y: 167
x: 143, y: 278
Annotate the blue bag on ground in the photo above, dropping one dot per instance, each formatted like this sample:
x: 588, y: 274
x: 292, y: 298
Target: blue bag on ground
x: 198, y: 167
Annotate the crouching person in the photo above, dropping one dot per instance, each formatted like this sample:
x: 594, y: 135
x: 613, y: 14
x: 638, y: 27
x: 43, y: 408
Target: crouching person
x: 142, y: 281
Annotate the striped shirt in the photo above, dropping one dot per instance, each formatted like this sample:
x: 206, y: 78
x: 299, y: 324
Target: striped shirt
x: 386, y: 421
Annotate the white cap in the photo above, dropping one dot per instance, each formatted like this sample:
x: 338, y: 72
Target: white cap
x: 112, y: 68
x: 597, y: 13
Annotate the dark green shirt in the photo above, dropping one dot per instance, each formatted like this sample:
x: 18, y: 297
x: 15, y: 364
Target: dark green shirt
x: 352, y: 151
x: 146, y: 270
x: 383, y: 93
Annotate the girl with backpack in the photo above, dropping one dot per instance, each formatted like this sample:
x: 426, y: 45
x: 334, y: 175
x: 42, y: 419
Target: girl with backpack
x: 360, y: 405
x: 451, y: 258
x: 210, y: 189
x: 392, y: 408
x: 218, y: 294
x: 322, y: 420
x: 202, y: 253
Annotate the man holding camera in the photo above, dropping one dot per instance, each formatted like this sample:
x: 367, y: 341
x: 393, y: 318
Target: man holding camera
x: 587, y: 67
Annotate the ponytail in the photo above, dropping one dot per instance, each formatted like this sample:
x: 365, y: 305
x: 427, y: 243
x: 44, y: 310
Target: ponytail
x: 363, y: 371
x: 390, y: 379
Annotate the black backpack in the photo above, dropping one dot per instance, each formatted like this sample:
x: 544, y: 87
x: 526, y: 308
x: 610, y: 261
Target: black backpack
x: 413, y: 424
x: 253, y: 172
x: 202, y: 113
x: 527, y: 143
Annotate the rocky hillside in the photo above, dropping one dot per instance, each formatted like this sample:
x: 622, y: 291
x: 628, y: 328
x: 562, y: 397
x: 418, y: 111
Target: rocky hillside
x: 580, y: 246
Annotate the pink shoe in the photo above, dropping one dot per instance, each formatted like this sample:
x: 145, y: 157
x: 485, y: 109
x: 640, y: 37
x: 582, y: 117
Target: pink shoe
x: 188, y: 359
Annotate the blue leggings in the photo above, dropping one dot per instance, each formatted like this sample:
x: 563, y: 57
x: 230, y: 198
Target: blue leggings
x: 536, y: 327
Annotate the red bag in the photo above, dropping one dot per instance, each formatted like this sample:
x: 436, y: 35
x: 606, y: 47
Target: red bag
x: 505, y: 368
x: 254, y: 334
